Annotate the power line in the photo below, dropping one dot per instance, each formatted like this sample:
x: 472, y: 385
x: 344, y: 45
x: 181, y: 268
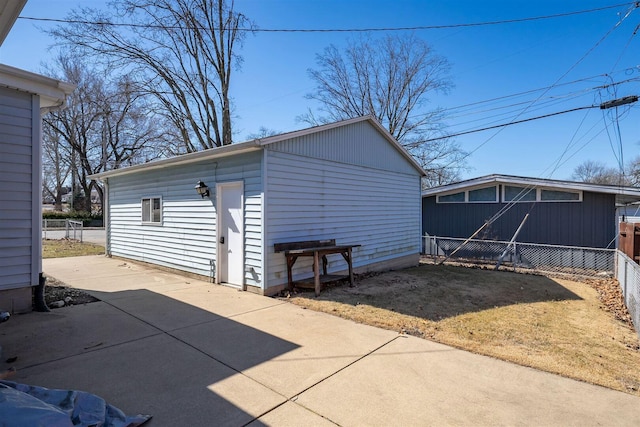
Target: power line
x: 339, y: 30
x: 502, y: 125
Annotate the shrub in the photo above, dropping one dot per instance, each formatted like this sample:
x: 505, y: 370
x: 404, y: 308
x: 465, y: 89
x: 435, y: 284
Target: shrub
x: 87, y: 218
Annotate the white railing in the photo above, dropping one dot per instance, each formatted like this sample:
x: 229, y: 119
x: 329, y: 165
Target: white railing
x: 529, y: 256
x: 628, y: 275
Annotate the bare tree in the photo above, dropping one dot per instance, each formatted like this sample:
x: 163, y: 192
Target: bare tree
x: 56, y: 166
x: 263, y: 132
x: 106, y: 125
x: 633, y: 172
x: 595, y: 172
x: 391, y: 79
x: 179, y: 51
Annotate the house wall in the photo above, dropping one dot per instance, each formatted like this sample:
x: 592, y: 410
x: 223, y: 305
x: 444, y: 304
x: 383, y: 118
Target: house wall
x: 186, y: 240
x: 347, y: 184
x: 19, y: 198
x: 590, y: 223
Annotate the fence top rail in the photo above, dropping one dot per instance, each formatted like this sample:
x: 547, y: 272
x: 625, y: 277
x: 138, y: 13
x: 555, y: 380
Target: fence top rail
x: 518, y: 243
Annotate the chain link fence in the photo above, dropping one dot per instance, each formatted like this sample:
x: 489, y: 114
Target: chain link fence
x: 547, y: 259
x: 628, y: 275
x: 52, y: 229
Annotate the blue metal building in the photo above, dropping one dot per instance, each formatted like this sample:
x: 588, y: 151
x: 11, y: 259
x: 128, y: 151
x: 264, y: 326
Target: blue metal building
x: 560, y: 212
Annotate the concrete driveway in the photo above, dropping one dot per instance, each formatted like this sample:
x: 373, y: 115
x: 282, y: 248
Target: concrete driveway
x: 192, y: 353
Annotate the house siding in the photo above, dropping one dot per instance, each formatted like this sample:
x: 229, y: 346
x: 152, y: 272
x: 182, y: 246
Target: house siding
x: 355, y: 144
x: 590, y: 223
x: 186, y: 239
x: 17, y: 196
x: 310, y: 198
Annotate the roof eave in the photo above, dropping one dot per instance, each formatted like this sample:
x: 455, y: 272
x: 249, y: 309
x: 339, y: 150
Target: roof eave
x: 210, y: 154
x: 8, y: 14
x: 630, y: 192
x: 53, y: 93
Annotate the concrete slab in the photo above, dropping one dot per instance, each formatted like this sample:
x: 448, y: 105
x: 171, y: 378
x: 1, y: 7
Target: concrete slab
x: 412, y: 381
x: 163, y: 312
x: 325, y: 344
x: 292, y: 415
x: 161, y: 376
x: 108, y: 278
x: 178, y: 308
x: 229, y: 357
x: 221, y: 300
x: 36, y: 338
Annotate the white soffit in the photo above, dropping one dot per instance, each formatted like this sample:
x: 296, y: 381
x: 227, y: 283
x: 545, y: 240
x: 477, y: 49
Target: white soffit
x: 9, y: 11
x: 52, y: 92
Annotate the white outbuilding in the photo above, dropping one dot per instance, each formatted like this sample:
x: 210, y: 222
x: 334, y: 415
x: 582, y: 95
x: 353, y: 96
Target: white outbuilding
x: 349, y: 181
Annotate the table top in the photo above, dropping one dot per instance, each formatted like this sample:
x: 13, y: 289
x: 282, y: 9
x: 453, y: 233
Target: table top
x: 336, y: 248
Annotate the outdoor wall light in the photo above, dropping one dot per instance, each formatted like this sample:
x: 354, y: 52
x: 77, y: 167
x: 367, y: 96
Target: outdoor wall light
x: 202, y: 189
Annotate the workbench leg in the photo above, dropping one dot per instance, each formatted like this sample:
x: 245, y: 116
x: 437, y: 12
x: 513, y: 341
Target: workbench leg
x: 290, y: 261
x: 324, y: 264
x: 316, y: 272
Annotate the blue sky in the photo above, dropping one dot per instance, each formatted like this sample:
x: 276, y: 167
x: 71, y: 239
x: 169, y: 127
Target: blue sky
x: 488, y: 62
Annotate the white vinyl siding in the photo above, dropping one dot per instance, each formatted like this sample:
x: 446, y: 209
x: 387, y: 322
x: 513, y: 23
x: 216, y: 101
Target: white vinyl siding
x: 186, y: 238
x: 310, y: 199
x: 355, y: 144
x: 18, y: 254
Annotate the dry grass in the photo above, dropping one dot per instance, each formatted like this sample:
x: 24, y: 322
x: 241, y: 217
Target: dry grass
x: 66, y: 248
x: 555, y: 325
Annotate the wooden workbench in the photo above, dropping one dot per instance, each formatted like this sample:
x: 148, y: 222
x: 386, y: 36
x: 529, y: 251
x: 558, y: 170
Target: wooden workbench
x: 318, y: 249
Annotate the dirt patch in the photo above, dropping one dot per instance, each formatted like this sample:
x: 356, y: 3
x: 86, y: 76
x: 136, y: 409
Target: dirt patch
x: 571, y: 328
x: 58, y: 294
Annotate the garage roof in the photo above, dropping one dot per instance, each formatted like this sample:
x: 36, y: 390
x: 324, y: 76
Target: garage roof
x: 624, y: 195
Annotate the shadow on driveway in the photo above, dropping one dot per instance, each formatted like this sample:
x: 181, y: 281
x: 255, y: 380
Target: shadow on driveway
x: 133, y: 359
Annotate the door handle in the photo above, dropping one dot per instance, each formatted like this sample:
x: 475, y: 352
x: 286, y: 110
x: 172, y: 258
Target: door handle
x: 222, y: 240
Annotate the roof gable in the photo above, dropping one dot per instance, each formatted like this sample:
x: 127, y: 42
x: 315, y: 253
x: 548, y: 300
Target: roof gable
x: 356, y: 142
x: 264, y: 143
x: 9, y: 11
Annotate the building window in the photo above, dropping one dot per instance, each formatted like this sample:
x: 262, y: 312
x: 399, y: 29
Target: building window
x: 479, y: 195
x: 519, y: 194
x: 452, y: 198
x: 527, y: 194
x: 558, y: 196
x: 152, y: 210
x: 488, y: 194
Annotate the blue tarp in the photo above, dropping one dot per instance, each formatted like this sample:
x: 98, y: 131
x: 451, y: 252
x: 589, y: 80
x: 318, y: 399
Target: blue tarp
x: 25, y: 405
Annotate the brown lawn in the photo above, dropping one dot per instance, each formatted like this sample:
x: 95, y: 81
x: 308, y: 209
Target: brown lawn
x: 66, y: 248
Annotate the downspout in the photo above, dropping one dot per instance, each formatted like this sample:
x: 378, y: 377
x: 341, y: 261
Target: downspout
x: 106, y: 223
x: 39, y: 303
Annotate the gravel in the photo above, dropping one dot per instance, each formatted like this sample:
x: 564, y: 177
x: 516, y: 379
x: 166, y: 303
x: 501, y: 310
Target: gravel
x: 58, y: 294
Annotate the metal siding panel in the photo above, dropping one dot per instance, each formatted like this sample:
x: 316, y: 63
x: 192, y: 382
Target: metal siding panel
x: 186, y: 240
x: 355, y: 144
x: 590, y: 223
x: 379, y: 210
x: 16, y: 180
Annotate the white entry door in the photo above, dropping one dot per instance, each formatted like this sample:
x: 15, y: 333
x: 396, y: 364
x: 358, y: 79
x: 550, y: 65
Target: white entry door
x: 230, y: 233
